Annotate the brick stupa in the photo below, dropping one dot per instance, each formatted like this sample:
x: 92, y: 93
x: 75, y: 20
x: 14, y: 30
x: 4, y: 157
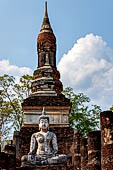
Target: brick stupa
x: 46, y: 86
x: 46, y: 92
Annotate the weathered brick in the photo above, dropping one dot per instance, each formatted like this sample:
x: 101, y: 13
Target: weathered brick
x: 84, y: 153
x: 106, y: 119
x: 94, y: 150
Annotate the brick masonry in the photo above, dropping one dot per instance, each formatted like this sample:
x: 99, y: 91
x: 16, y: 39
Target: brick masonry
x: 7, y: 160
x: 70, y: 143
x: 58, y: 100
x: 84, y: 153
x: 76, y: 150
x: 106, y: 119
x: 94, y: 150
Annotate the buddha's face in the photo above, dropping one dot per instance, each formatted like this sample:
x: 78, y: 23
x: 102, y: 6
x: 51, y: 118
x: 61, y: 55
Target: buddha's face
x: 43, y: 124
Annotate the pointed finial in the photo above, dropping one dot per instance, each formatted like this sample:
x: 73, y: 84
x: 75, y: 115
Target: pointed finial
x: 46, y: 27
x: 43, y: 111
x: 46, y: 14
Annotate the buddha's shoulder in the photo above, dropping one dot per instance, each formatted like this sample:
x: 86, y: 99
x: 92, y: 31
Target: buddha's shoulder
x: 35, y: 134
x: 51, y: 134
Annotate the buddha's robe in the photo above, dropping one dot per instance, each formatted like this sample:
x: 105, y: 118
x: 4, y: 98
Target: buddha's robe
x: 43, y: 144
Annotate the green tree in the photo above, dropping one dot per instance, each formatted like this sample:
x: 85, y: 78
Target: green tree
x: 83, y: 116
x: 111, y: 108
x: 11, y: 97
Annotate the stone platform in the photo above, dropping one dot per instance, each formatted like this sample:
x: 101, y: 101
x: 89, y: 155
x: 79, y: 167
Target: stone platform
x: 47, y: 167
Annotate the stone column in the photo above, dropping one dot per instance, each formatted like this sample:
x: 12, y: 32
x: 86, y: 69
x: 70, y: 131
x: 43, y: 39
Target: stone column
x: 16, y: 142
x: 106, y: 119
x: 76, y: 149
x: 94, y: 150
x: 84, y: 153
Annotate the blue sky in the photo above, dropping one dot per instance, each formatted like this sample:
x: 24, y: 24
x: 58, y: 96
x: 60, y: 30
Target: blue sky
x: 71, y: 20
x: 20, y: 22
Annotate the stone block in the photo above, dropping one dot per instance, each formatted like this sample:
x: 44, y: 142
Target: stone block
x: 84, y: 153
x: 94, y: 150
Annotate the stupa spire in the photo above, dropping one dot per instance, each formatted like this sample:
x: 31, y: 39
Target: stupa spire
x: 46, y: 13
x: 46, y: 26
x: 46, y: 43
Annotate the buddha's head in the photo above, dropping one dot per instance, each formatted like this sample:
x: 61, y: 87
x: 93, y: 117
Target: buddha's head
x: 43, y: 121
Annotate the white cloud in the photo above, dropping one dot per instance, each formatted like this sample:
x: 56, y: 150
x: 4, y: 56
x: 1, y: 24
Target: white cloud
x: 7, y: 68
x: 88, y: 68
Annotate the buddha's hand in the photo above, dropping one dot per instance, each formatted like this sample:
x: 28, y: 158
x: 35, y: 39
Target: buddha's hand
x: 30, y: 153
x: 31, y: 156
x: 54, y: 152
x: 49, y: 155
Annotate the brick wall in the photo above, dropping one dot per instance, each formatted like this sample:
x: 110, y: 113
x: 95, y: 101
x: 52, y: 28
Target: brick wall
x: 7, y: 161
x: 71, y: 144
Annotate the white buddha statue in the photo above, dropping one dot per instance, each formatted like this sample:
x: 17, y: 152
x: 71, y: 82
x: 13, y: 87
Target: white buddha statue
x: 43, y: 146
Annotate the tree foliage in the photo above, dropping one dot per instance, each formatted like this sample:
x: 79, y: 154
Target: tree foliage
x: 12, y: 93
x: 83, y: 116
x: 111, y: 108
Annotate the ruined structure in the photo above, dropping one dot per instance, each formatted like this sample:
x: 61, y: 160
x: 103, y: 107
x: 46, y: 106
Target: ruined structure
x: 46, y: 92
x: 46, y: 86
x: 94, y: 150
x: 84, y: 153
x: 93, y: 153
x: 106, y: 119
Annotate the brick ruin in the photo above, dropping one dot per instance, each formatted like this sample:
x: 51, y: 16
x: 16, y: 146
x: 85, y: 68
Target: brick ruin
x: 92, y: 153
